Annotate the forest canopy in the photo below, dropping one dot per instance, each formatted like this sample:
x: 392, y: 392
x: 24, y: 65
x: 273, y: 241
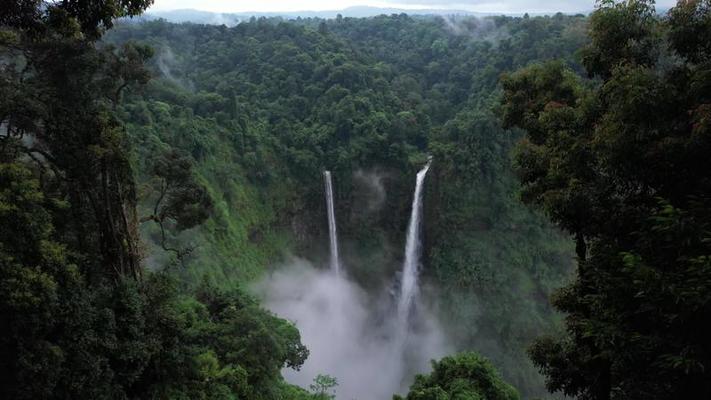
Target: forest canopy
x: 151, y: 173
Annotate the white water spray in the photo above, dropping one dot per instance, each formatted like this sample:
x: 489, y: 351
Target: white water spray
x: 410, y: 270
x: 332, y: 234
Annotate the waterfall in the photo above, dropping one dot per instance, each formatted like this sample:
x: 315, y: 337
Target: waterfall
x: 355, y: 334
x: 333, y: 236
x: 410, y: 269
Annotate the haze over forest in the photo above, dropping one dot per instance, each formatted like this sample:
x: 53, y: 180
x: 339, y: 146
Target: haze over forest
x: 424, y: 200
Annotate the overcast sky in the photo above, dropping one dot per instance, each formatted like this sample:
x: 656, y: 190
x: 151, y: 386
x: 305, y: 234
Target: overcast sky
x: 502, y: 6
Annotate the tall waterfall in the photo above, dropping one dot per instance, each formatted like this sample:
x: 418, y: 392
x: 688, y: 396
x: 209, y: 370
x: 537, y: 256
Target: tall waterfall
x: 339, y: 320
x: 410, y: 269
x: 332, y: 234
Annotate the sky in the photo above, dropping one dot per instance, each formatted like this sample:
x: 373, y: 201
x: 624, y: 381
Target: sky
x: 486, y: 6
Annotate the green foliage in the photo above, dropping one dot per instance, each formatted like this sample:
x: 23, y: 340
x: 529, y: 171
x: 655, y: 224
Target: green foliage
x: 264, y: 107
x: 180, y: 202
x: 232, y: 137
x: 689, y: 29
x: 621, y: 32
x: 80, y: 317
x: 224, y: 346
x: 67, y: 127
x: 180, y: 199
x: 324, y: 387
x: 622, y: 164
x: 66, y: 339
x: 69, y: 18
x: 466, y: 376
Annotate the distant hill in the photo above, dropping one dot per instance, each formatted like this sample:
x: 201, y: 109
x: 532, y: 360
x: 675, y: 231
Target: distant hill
x: 212, y: 18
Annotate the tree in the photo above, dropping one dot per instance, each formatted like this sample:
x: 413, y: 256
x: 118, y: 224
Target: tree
x: 31, y: 266
x: 58, y: 93
x: 79, y: 318
x: 69, y: 18
x: 466, y: 376
x: 324, y: 387
x: 622, y: 163
x: 180, y: 202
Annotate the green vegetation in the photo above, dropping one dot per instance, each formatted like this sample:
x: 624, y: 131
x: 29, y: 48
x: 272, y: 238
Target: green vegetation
x: 621, y: 162
x: 80, y: 317
x: 149, y: 174
x: 264, y: 107
x: 323, y: 387
x: 465, y: 376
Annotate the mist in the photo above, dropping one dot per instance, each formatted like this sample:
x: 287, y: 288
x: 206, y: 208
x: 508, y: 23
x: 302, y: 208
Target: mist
x: 484, y: 29
x: 371, y: 188
x: 352, y: 334
x: 165, y: 61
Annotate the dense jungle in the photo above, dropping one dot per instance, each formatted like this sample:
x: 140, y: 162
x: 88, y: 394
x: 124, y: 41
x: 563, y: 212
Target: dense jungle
x: 401, y: 206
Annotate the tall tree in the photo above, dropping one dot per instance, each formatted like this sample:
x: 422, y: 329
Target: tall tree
x: 77, y: 323
x: 622, y: 163
x: 59, y: 89
x: 66, y: 202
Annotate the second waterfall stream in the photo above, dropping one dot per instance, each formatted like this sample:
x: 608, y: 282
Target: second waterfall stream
x: 413, y: 249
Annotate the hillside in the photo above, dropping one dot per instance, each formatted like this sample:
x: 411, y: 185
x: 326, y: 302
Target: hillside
x: 264, y: 107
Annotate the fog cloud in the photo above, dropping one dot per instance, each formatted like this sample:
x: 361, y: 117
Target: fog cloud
x: 351, y: 335
x: 165, y: 61
x: 475, y: 28
x: 371, y: 187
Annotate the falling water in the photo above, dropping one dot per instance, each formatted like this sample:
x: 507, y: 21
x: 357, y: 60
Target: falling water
x: 410, y: 269
x: 333, y: 236
x: 351, y: 335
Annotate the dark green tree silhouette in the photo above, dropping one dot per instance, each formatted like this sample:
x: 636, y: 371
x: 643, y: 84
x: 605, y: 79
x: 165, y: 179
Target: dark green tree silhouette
x: 622, y: 163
